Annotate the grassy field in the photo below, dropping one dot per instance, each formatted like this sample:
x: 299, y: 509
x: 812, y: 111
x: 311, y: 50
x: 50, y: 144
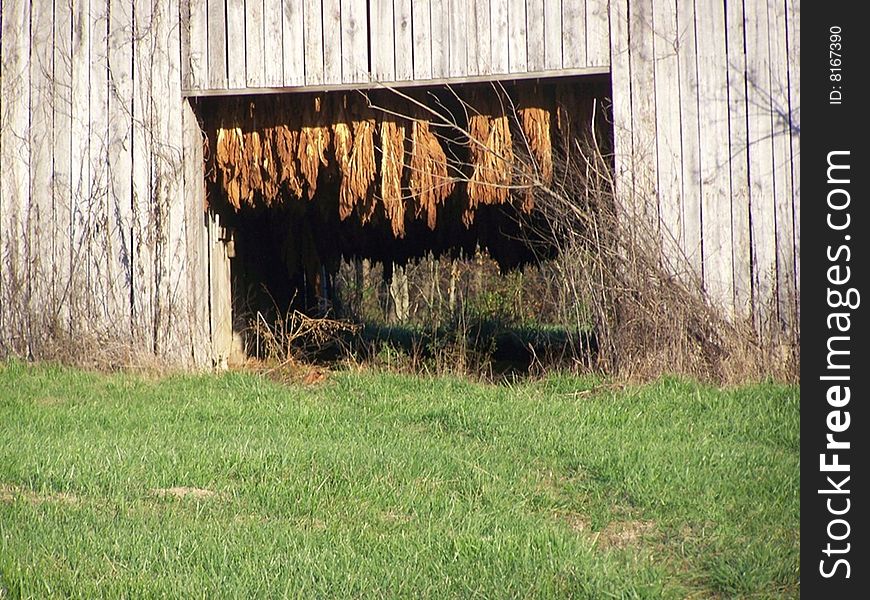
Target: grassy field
x: 381, y: 485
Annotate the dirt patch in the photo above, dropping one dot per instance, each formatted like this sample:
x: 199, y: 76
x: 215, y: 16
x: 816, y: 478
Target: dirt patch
x: 184, y: 492
x: 617, y: 534
x: 621, y: 534
x: 10, y: 493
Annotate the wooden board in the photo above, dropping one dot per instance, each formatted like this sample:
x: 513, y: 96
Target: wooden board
x: 499, y: 38
x: 440, y: 38
x: 236, y: 48
x: 313, y: 34
x: 106, y: 271
x: 354, y: 46
x: 782, y: 165
x: 404, y: 39
x: 293, y: 42
x: 61, y: 188
x: 535, y: 47
x: 760, y: 140
x: 217, y: 45
x: 333, y: 37
x: 741, y: 247
x: 598, y: 31
x: 254, y: 44
x: 715, y: 159
x: 194, y: 41
x: 196, y: 230
x: 273, y: 43
x: 689, y: 119
x: 622, y: 113
x: 517, y: 51
x: 120, y: 149
x: 457, y: 37
x: 82, y: 201
x: 15, y: 160
x: 643, y: 110
x: 422, y: 33
x: 553, y: 34
x: 668, y: 142
x: 143, y: 234
x: 383, y: 43
x: 574, y: 33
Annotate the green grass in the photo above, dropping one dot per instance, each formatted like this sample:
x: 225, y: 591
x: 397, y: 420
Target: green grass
x: 381, y: 485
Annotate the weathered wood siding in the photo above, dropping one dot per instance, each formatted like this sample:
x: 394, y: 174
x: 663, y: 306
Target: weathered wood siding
x: 102, y: 223
x: 706, y: 102
x: 262, y: 45
x: 102, y: 229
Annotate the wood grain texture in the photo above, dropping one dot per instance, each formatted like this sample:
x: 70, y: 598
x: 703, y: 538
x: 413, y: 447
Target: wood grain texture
x: 422, y: 33
x: 737, y: 142
x: 404, y: 39
x: 715, y: 159
x: 689, y: 119
x: 217, y: 44
x: 273, y: 43
x: 313, y: 34
x: 293, y: 42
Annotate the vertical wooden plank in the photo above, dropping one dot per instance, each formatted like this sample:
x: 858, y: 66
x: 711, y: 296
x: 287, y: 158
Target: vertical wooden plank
x: 794, y: 79
x: 440, y: 38
x: 782, y: 170
x: 690, y: 119
x: 742, y: 250
x: 383, y: 43
x: 574, y: 33
x: 196, y: 237
x: 404, y: 40
x: 471, y: 41
x: 15, y: 164
x: 171, y: 249
x: 120, y: 151
x: 354, y: 41
x: 220, y: 290
x: 61, y: 188
x: 458, y: 51
x: 82, y: 205
x: 106, y: 269
x: 517, y: 56
x: 313, y: 33
x: 553, y: 34
x: 597, y: 33
x: 39, y: 224
x: 194, y: 44
x: 293, y: 41
x: 715, y: 162
x: 422, y: 28
x: 143, y: 235
x: 217, y: 45
x: 760, y: 140
x: 237, y: 49
x: 535, y: 32
x: 332, y: 42
x: 668, y: 143
x: 622, y: 113
x: 499, y: 37
x: 254, y: 43
x: 479, y: 38
x: 643, y: 107
x: 273, y: 43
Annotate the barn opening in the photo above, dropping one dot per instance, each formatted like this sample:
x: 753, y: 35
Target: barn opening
x: 317, y: 191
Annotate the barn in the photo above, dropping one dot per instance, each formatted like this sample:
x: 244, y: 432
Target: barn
x: 134, y: 132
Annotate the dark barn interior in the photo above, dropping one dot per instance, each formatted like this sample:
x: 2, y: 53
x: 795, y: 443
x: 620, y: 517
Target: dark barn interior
x: 303, y: 182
